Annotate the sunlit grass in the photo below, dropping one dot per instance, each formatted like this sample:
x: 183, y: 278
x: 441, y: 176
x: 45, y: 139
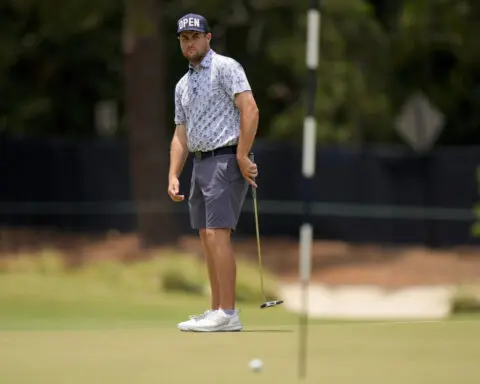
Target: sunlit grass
x: 110, y: 322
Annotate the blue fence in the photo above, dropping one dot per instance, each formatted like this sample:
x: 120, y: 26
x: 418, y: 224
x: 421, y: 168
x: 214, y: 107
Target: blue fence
x: 376, y: 194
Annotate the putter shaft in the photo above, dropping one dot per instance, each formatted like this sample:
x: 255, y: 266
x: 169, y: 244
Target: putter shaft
x: 259, y: 251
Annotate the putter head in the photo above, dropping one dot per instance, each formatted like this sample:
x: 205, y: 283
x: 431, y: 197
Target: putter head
x: 273, y: 303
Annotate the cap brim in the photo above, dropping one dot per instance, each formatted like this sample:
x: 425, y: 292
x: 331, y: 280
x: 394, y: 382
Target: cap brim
x: 191, y: 29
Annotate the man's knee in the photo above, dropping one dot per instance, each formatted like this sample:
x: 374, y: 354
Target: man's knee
x: 216, y: 235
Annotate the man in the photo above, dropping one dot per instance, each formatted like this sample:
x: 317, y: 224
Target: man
x: 216, y: 120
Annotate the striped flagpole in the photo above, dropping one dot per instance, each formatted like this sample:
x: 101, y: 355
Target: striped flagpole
x: 308, y: 172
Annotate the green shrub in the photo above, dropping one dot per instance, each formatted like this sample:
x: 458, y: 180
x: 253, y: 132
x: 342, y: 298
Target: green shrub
x: 466, y: 300
x: 188, y: 275
x: 182, y: 274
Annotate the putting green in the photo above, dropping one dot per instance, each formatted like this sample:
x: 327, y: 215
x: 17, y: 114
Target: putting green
x: 338, y: 353
x: 59, y: 329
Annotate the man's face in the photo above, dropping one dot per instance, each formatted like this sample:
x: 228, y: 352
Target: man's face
x: 194, y: 45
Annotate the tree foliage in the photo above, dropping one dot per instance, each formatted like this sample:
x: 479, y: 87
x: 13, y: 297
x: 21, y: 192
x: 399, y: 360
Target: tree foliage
x: 58, y: 58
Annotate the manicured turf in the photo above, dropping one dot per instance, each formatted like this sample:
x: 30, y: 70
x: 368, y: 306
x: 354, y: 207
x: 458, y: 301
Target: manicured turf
x: 59, y: 329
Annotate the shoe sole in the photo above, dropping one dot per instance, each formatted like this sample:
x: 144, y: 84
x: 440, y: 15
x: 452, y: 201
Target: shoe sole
x: 226, y: 329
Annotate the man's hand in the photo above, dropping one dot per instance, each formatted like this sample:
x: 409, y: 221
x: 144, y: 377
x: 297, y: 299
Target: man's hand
x: 248, y: 169
x: 178, y: 155
x: 174, y: 188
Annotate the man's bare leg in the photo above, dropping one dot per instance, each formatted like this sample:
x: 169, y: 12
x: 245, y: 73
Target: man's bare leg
x: 219, y: 244
x: 212, y: 273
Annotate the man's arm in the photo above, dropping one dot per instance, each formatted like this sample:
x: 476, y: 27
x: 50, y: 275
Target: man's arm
x: 249, y: 117
x: 178, y: 146
x: 178, y: 155
x: 178, y: 151
x: 238, y: 88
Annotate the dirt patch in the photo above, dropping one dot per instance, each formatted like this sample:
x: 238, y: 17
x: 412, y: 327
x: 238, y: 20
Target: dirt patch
x: 332, y: 262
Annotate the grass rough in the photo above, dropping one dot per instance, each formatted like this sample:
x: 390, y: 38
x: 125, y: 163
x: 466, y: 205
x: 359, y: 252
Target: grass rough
x: 173, y: 272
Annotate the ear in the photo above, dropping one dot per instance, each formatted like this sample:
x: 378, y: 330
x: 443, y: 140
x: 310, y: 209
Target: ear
x: 209, y: 36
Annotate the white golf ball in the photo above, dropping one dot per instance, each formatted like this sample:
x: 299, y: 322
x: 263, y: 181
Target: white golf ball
x: 256, y: 365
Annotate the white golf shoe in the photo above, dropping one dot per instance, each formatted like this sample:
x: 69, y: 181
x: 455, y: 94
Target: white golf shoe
x: 185, y: 325
x: 217, y: 321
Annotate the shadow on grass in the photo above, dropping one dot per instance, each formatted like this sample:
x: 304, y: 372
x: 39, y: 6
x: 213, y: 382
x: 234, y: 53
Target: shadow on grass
x: 267, y: 331
x: 247, y: 331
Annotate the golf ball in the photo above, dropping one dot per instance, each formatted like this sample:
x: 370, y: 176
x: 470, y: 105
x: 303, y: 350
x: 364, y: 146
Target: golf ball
x: 256, y: 365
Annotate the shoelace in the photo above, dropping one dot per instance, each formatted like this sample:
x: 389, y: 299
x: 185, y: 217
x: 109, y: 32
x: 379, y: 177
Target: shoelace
x: 200, y: 317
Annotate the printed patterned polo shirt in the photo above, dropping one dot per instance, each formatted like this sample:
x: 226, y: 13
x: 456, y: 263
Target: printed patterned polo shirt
x: 204, y: 102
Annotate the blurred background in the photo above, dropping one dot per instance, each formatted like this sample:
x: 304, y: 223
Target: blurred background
x: 86, y: 119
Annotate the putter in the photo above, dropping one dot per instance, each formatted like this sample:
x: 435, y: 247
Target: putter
x: 266, y: 304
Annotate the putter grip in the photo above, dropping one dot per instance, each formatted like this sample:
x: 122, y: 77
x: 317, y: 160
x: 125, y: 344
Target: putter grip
x: 252, y: 158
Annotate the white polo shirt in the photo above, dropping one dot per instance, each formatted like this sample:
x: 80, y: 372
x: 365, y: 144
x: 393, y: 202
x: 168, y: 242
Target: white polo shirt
x: 204, y: 102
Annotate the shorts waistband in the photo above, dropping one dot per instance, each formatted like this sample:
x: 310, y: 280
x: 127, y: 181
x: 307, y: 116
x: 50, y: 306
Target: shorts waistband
x: 218, y: 151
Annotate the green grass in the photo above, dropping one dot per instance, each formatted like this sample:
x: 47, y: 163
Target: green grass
x: 355, y: 353
x: 33, y: 302
x: 89, y: 328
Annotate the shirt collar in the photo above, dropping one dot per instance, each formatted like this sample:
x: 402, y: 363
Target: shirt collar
x: 206, y: 61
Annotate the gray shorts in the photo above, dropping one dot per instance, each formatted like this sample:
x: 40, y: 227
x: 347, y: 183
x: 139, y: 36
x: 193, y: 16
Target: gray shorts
x: 217, y: 192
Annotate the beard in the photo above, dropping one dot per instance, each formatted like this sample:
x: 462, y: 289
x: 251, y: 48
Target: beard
x: 195, y: 56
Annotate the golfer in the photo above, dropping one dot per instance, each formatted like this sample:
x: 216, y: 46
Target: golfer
x: 216, y: 120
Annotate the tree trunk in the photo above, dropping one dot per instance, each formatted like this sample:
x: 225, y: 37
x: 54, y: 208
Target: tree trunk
x: 145, y: 116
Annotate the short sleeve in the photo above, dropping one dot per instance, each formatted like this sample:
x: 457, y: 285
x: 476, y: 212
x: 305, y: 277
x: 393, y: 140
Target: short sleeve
x: 234, y: 79
x: 180, y: 117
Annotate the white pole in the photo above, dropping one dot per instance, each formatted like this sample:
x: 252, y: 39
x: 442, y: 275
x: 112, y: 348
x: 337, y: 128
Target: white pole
x: 308, y: 172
